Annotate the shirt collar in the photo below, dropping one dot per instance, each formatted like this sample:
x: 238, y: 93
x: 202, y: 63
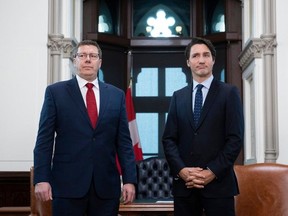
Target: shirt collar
x: 206, y: 83
x: 82, y: 82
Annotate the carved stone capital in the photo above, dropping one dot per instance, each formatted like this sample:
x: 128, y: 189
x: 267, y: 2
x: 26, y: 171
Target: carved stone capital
x: 59, y: 45
x: 256, y: 48
x: 269, y: 43
x: 55, y: 43
x: 252, y: 50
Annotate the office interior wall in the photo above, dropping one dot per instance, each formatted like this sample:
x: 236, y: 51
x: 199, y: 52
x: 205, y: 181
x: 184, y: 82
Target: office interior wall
x: 23, y: 68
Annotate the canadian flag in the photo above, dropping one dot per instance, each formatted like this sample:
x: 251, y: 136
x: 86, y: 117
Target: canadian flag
x: 133, y: 129
x: 133, y: 126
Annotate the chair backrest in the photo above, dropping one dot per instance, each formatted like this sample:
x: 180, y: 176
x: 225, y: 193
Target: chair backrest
x: 263, y: 189
x: 154, y: 179
x: 38, y: 208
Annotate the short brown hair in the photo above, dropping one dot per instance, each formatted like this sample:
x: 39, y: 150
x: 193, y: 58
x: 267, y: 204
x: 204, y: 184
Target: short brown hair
x: 87, y: 42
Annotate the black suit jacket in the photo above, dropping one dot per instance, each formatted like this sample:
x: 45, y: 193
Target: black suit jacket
x: 215, y: 143
x: 82, y: 153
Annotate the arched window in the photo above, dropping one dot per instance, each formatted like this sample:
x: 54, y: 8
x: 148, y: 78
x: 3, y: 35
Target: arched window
x: 155, y: 33
x: 214, y: 16
x: 108, y: 20
x: 161, y: 21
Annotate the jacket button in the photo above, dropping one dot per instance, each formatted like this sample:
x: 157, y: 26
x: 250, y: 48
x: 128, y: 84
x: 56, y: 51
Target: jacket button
x: 195, y: 133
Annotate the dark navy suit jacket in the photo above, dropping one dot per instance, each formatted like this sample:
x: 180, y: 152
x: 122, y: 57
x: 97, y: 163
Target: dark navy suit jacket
x: 215, y: 143
x: 82, y: 153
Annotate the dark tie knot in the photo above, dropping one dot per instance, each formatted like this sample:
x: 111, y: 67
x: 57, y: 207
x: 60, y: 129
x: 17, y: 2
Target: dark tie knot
x: 199, y: 87
x: 89, y: 85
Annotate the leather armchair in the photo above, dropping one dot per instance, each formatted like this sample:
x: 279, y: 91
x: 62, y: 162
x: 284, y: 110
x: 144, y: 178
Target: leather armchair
x: 154, y: 179
x: 263, y: 189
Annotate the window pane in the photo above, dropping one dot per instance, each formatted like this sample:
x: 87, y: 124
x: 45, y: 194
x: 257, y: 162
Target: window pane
x: 148, y: 132
x: 155, y: 77
x: 161, y: 18
x: 174, y: 80
x: 214, y: 16
x: 147, y: 84
x: 219, y: 71
x: 108, y: 20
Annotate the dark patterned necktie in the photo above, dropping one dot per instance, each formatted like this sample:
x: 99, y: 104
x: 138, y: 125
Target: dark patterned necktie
x: 91, y: 104
x: 198, y: 104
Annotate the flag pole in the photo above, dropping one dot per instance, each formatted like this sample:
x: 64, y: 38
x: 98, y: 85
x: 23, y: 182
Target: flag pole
x: 130, y: 83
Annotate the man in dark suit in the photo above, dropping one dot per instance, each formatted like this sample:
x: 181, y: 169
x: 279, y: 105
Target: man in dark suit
x: 201, y: 152
x: 74, y: 156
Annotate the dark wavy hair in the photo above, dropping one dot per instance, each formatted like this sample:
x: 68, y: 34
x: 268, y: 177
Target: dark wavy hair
x: 198, y: 40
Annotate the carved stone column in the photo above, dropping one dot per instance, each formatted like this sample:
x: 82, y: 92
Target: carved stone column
x: 265, y: 48
x: 270, y: 79
x: 59, y: 47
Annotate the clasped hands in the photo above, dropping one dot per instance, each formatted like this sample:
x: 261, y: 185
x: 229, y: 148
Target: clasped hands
x: 196, y: 177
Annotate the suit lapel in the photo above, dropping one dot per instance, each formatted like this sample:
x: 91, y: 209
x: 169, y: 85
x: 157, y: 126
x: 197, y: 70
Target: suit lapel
x: 211, y: 96
x: 189, y: 104
x: 74, y: 91
x: 104, y: 98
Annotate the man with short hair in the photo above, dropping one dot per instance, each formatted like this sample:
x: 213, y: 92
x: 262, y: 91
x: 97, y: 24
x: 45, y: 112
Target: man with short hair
x: 87, y: 120
x: 203, y: 137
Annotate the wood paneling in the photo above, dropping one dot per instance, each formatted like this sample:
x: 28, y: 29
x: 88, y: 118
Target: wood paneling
x: 14, y: 189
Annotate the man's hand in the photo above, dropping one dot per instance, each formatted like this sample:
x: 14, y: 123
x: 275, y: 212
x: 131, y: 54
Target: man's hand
x: 208, y: 176
x: 188, y: 172
x: 192, y: 176
x: 128, y: 193
x: 202, y: 178
x: 43, y: 191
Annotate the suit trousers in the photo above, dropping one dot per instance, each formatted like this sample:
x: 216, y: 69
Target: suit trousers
x: 89, y: 205
x: 196, y: 205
